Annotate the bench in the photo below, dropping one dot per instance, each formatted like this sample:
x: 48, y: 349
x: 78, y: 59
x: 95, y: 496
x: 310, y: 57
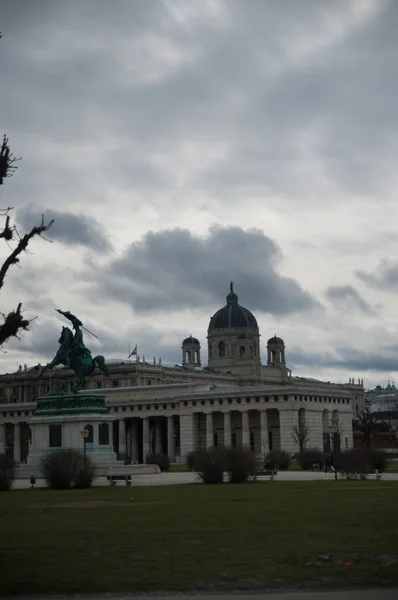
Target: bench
x: 113, y: 478
x: 265, y: 473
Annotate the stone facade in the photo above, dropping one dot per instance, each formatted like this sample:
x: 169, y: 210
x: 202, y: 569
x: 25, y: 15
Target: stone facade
x: 174, y: 409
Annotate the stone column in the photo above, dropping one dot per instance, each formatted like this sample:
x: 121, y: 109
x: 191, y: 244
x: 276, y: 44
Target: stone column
x: 171, y: 452
x: 17, y: 443
x: 227, y: 429
x: 264, y: 441
x: 122, y: 437
x: 146, y: 445
x: 2, y: 438
x: 209, y: 430
x: 187, y: 439
x: 288, y: 420
x: 158, y: 437
x: 314, y: 423
x: 245, y: 429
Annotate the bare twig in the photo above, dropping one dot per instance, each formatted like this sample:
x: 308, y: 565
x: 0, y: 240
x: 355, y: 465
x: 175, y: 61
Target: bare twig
x: 13, y: 322
x: 7, y: 160
x: 13, y: 259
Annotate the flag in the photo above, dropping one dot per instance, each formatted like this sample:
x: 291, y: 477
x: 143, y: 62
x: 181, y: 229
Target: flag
x: 134, y: 352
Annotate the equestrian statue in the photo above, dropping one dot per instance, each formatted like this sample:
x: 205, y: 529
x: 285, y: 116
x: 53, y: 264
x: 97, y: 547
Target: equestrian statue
x: 73, y: 354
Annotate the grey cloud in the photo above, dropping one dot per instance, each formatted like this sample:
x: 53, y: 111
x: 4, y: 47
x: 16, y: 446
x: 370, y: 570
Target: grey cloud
x: 68, y: 228
x: 229, y: 92
x: 347, y: 359
x: 174, y: 269
x: 385, y: 277
x: 346, y: 296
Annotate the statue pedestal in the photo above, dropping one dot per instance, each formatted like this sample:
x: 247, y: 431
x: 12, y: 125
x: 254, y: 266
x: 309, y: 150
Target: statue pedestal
x: 60, y: 419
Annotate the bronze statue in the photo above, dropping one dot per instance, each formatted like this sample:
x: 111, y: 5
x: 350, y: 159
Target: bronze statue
x: 74, y: 354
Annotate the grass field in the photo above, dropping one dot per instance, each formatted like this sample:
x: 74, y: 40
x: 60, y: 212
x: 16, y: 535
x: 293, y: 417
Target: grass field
x: 199, y: 537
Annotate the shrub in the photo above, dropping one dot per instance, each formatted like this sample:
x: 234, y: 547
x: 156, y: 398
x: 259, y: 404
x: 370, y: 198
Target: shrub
x: 67, y: 468
x: 191, y: 460
x: 309, y: 457
x: 7, y: 472
x: 361, y: 461
x: 278, y: 459
x: 239, y: 463
x: 209, y: 464
x: 162, y: 460
x: 85, y: 476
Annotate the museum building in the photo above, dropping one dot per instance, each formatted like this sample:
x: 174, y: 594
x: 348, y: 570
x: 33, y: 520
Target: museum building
x: 174, y: 409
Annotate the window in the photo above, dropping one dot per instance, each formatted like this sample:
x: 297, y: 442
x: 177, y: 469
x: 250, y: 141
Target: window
x: 103, y: 434
x: 252, y: 441
x: 99, y: 385
x: 215, y: 439
x: 221, y: 349
x: 55, y: 436
x: 242, y: 351
x: 115, y: 383
x: 233, y: 439
x: 210, y: 351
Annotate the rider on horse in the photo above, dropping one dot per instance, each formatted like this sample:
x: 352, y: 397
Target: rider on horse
x: 78, y: 348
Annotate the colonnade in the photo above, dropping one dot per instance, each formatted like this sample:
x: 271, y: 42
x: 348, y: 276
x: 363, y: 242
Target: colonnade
x: 175, y: 435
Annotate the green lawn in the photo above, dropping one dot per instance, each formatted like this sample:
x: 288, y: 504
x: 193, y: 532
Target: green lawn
x: 267, y: 534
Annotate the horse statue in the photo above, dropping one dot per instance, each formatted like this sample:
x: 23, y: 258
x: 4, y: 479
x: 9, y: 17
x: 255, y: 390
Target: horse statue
x: 73, y: 354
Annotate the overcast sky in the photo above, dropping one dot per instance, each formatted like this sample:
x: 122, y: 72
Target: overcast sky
x: 180, y: 145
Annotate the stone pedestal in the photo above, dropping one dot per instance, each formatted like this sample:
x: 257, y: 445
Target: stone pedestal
x: 60, y: 419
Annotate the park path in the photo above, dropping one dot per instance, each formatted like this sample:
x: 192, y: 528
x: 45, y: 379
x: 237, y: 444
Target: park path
x: 184, y: 478
x: 377, y: 594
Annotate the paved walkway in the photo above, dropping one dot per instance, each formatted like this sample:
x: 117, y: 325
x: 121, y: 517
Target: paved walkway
x: 184, y: 478
x: 377, y: 594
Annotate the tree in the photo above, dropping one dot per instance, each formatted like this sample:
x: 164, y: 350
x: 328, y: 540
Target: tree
x: 336, y: 430
x: 301, y: 435
x: 366, y: 423
x: 14, y: 321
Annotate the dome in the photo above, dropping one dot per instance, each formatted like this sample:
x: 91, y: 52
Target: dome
x: 275, y: 341
x: 232, y: 315
x: 191, y: 340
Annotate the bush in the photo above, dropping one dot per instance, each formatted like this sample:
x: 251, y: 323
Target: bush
x: 278, y: 459
x: 309, y: 457
x: 66, y: 468
x: 190, y: 461
x: 361, y: 461
x: 209, y: 464
x: 7, y: 472
x: 239, y: 463
x: 162, y: 460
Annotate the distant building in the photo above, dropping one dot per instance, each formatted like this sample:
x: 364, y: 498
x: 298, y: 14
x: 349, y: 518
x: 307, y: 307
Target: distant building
x: 382, y: 399
x: 174, y: 409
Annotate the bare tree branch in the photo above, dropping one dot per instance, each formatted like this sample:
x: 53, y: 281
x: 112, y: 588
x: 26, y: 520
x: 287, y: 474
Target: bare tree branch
x: 301, y: 435
x: 13, y: 259
x: 7, y: 160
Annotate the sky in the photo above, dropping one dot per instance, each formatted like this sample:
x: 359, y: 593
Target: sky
x: 183, y: 145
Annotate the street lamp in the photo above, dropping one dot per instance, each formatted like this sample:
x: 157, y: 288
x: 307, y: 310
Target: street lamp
x: 84, y: 433
x: 334, y: 428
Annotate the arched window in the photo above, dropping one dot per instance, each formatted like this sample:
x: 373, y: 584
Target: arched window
x: 210, y: 351
x: 242, y: 351
x: 221, y: 349
x: 103, y: 434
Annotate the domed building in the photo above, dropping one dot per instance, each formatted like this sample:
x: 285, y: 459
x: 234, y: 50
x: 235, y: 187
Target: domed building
x: 233, y: 342
x: 174, y: 409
